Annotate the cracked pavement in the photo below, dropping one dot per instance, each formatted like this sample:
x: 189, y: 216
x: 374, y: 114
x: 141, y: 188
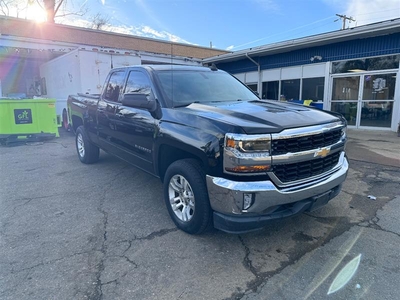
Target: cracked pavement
x: 75, y: 231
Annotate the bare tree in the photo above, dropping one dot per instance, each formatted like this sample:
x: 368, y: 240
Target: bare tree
x: 98, y: 21
x: 58, y: 8
x: 53, y: 8
x: 6, y: 6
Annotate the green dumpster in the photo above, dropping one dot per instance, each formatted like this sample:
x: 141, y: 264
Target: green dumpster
x: 27, y: 119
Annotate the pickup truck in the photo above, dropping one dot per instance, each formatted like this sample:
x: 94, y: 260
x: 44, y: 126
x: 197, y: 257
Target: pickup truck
x: 226, y: 158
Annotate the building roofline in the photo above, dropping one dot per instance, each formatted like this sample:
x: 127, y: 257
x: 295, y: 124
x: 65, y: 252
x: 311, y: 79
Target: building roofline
x: 380, y: 28
x: 110, y: 32
x: 56, y: 33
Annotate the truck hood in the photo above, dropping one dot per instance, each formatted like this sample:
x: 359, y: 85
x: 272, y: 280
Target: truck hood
x: 255, y: 117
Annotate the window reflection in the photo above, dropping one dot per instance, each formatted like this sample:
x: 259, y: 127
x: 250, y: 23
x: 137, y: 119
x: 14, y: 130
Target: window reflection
x: 113, y: 88
x: 347, y: 109
x: 290, y: 89
x: 182, y: 87
x: 313, y: 88
x: 253, y: 87
x: 379, y: 87
x: 270, y: 90
x: 345, y: 88
x: 367, y: 64
x: 376, y: 114
x: 138, y: 83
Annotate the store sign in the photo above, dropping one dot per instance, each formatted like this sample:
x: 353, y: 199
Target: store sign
x: 23, y: 116
x: 379, y: 84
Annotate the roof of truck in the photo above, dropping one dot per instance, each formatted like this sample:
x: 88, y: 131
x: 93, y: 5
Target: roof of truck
x: 151, y: 68
x: 175, y: 67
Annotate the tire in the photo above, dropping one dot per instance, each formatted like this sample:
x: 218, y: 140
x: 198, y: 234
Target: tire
x: 186, y: 196
x: 88, y: 153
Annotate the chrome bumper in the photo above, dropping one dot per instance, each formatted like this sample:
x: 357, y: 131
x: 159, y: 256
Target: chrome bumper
x: 226, y: 196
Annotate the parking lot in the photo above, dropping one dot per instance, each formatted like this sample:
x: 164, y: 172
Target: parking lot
x: 102, y: 231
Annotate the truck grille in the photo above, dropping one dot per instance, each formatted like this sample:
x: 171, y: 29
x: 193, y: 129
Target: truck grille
x: 305, y: 143
x: 305, y: 169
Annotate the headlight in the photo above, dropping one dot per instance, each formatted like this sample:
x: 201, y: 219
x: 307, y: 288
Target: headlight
x: 248, y: 143
x: 247, y: 153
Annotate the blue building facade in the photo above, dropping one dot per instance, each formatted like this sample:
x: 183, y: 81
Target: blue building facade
x: 353, y: 71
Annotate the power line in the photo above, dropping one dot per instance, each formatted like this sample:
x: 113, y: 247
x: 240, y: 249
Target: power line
x: 315, y: 29
x: 369, y: 19
x: 375, y: 12
x: 294, y: 29
x: 280, y: 33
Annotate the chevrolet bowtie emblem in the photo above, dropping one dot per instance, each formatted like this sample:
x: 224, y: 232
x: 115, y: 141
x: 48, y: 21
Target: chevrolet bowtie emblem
x: 322, y: 153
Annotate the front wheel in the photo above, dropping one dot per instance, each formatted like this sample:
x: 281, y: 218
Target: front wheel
x: 186, y: 196
x: 88, y: 153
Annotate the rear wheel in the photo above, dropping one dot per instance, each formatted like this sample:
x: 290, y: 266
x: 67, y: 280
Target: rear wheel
x: 88, y: 153
x: 186, y: 196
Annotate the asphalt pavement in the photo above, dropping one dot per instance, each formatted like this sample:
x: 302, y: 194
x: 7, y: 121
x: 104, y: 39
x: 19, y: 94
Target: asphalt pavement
x: 75, y: 231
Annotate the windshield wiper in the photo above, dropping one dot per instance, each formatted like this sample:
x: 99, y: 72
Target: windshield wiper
x: 217, y: 101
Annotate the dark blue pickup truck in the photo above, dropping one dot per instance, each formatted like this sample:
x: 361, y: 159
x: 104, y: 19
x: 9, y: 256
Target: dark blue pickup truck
x: 226, y: 158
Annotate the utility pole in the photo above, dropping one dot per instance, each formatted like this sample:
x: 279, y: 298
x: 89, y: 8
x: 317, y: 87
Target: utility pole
x: 344, y: 18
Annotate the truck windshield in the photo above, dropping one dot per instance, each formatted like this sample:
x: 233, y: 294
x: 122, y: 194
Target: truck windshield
x: 184, y: 87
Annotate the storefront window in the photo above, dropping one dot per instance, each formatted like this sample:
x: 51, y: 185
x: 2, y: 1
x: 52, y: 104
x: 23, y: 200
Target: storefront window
x: 376, y: 114
x: 290, y: 89
x: 367, y: 64
x: 347, y: 109
x: 313, y: 89
x: 270, y: 90
x: 253, y: 87
x: 379, y: 87
x: 345, y: 88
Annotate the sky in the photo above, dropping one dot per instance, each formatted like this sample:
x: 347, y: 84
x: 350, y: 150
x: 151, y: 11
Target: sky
x: 227, y: 24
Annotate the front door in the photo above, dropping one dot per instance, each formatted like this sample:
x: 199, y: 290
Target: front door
x: 345, y: 96
x: 365, y: 100
x: 106, y: 108
x: 135, y: 128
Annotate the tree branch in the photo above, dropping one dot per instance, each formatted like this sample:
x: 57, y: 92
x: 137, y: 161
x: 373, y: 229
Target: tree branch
x: 2, y: 5
x: 40, y: 4
x: 58, y: 7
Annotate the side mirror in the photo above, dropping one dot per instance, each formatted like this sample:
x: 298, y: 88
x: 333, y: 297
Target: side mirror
x: 139, y: 100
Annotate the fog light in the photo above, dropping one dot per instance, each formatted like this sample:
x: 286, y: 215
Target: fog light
x: 248, y: 200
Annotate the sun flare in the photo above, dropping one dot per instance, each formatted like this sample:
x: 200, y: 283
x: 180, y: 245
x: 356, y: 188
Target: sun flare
x: 36, y: 13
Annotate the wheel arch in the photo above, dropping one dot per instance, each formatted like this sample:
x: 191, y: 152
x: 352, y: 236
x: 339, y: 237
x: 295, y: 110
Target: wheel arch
x: 76, y: 122
x: 167, y: 154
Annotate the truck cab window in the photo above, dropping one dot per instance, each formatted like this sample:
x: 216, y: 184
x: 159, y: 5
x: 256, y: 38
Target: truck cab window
x: 138, y: 83
x: 114, y: 85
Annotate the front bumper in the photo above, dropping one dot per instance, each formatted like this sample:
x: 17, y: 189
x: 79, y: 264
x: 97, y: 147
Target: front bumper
x: 269, y: 202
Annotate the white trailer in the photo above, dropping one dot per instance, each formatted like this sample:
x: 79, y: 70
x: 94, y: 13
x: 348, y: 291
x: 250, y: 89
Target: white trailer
x: 79, y: 71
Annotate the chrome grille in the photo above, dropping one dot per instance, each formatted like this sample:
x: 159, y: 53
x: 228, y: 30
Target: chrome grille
x: 305, y: 143
x: 305, y: 169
